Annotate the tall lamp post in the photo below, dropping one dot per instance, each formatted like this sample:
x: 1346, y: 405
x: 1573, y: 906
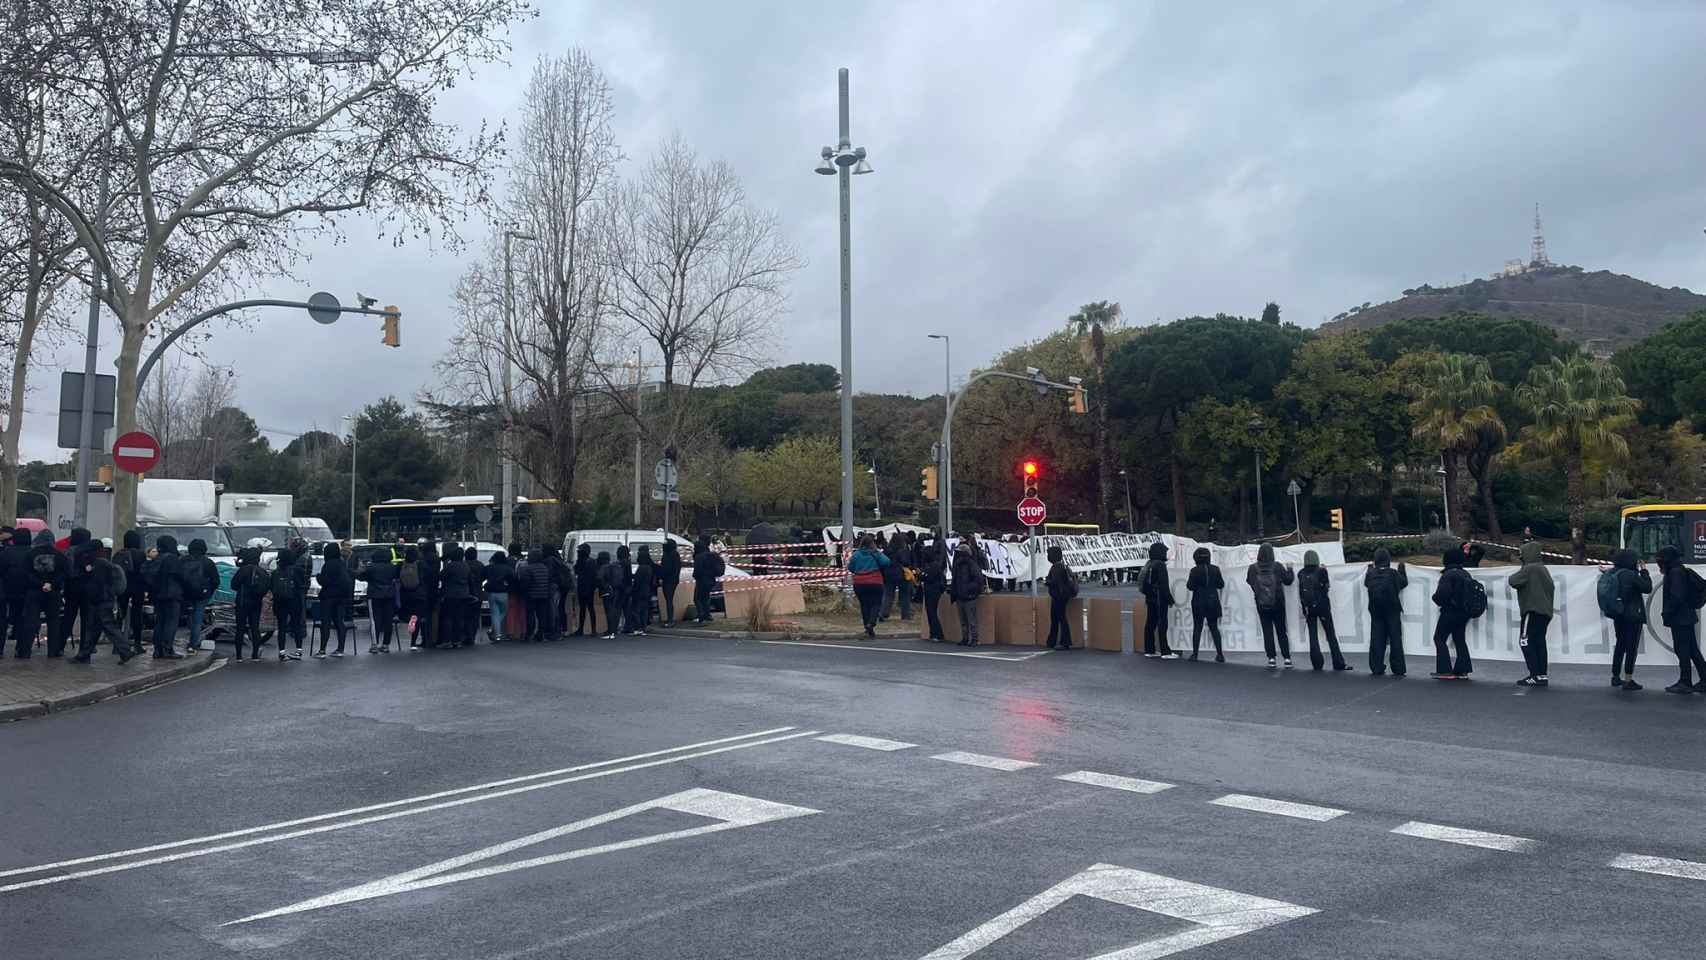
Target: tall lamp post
x: 1130, y: 522
x: 840, y: 161
x: 351, y: 419
x: 509, y: 417
x: 944, y: 464
x: 1256, y: 426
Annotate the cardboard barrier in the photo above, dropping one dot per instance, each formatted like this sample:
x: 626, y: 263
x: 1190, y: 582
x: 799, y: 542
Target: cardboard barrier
x: 1074, y: 619
x: 1010, y: 617
x: 950, y: 614
x: 1105, y: 629
x: 785, y: 598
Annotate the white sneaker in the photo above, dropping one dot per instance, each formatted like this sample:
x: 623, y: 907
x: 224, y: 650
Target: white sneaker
x: 1270, y: 661
x: 1287, y: 663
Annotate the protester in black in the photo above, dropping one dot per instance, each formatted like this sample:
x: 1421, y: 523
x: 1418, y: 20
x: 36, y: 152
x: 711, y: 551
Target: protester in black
x: 640, y: 593
x: 534, y: 578
x: 40, y: 590
x: 624, y: 588
x: 250, y: 584
x: 11, y: 585
x: 610, y: 591
x: 1204, y: 585
x: 967, y: 585
x: 1633, y: 583
x: 337, y: 591
x: 500, y: 579
x: 586, y: 590
x: 289, y: 598
x: 933, y: 566
x: 669, y: 577
x: 1451, y: 596
x: 201, y: 580
x: 1267, y: 580
x: 79, y: 554
x: 707, y: 568
x: 1062, y: 587
x: 1384, y: 586
x: 1682, y: 588
x: 103, y: 584
x: 380, y: 575
x: 476, y: 596
x: 131, y: 559
x: 1314, y: 595
x: 563, y: 585
x: 165, y: 576
x: 1157, y: 590
x: 895, y: 584
x: 453, y: 596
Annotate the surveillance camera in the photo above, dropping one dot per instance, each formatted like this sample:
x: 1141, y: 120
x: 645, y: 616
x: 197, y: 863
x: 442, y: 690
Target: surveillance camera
x: 365, y: 301
x: 1033, y: 371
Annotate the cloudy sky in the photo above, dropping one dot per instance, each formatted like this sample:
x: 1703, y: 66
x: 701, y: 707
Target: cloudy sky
x: 1030, y: 157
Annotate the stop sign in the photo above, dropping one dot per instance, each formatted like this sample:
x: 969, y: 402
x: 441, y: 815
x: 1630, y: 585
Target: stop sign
x: 1032, y: 512
x: 136, y: 452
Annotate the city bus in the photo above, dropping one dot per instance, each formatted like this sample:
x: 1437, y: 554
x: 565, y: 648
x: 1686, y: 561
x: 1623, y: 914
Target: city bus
x: 1647, y: 527
x: 449, y: 518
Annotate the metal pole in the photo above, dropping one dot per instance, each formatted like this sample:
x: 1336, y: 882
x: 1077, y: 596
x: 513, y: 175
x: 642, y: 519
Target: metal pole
x: 876, y: 492
x: 844, y: 174
x: 1033, y: 552
x: 1260, y: 527
x: 352, y: 479
x: 947, y: 478
x: 639, y: 408
x: 508, y: 463
x: 1129, y: 521
x: 1445, y: 491
x: 86, y: 427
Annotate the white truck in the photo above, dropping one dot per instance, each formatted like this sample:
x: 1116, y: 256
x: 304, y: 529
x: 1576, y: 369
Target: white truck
x: 312, y: 529
x: 183, y: 509
x: 257, y: 516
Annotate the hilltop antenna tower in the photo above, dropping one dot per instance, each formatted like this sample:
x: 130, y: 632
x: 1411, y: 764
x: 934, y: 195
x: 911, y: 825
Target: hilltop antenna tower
x: 1537, y: 257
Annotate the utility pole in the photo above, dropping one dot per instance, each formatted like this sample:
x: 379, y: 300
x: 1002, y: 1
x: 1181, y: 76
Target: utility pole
x: 92, y: 340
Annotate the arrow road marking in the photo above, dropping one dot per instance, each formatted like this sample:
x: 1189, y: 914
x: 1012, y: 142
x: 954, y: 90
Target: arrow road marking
x: 1219, y: 914
x: 730, y: 810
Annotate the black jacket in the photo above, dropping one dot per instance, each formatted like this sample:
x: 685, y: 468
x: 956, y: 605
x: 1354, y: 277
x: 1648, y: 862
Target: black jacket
x: 201, y: 575
x: 500, y: 575
x: 381, y: 579
x: 476, y: 574
x: 1061, y: 585
x: 533, y: 578
x: 1379, y: 571
x: 50, y: 569
x: 1204, y: 584
x: 165, y: 573
x: 669, y: 568
x: 1632, y: 586
x: 934, y: 562
x: 80, y: 552
x: 645, y: 580
x: 289, y: 580
x: 133, y: 559
x: 98, y: 581
x: 624, y: 572
x: 707, y: 566
x: 454, y: 581
x: 562, y: 576
x: 1677, y: 599
x: 586, y: 573
x: 968, y: 576
x: 17, y: 568
x: 1449, y: 595
x: 1314, y: 589
x: 334, y: 578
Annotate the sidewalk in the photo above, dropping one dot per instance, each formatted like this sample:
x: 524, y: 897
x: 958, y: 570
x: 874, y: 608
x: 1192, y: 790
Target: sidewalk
x: 39, y: 685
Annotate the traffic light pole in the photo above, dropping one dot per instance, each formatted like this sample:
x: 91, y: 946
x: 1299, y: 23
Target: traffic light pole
x: 947, y: 476
x: 206, y: 315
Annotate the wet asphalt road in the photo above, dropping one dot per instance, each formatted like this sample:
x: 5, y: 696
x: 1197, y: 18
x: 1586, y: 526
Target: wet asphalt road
x: 672, y: 798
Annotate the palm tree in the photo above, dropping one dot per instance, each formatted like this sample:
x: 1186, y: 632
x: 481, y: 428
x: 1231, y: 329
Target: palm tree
x: 1453, y: 410
x: 1090, y: 322
x: 1578, y: 405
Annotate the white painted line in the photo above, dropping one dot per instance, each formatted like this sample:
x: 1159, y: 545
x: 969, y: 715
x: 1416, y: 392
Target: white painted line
x: 412, y: 811
x: 1283, y: 808
x: 1466, y: 837
x: 869, y: 743
x: 996, y: 657
x: 285, y: 824
x: 730, y: 810
x: 1662, y: 866
x: 1112, y: 782
x: 1215, y: 914
x: 980, y: 760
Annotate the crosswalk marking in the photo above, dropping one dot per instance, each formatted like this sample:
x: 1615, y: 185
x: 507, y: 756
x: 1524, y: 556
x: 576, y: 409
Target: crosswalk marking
x: 869, y: 743
x: 1283, y: 808
x: 1662, y: 866
x: 980, y: 760
x: 1112, y: 782
x: 1466, y: 837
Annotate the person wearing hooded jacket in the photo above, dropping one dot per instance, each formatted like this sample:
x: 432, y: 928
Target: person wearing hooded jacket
x: 1451, y: 595
x: 1157, y: 587
x: 250, y: 585
x: 380, y: 575
x: 563, y: 589
x: 586, y: 591
x: 1534, y: 597
x: 42, y: 590
x: 534, y: 578
x: 933, y: 567
x: 455, y: 593
x: 1633, y: 583
x: 337, y: 592
x: 707, y: 569
x: 14, y: 581
x: 894, y: 579
x: 500, y: 577
x: 1062, y: 587
x: 669, y: 578
x: 866, y: 567
x: 609, y: 589
x: 79, y: 554
x: 165, y: 576
x: 624, y: 588
x: 201, y: 579
x: 101, y: 591
x: 967, y: 586
x: 1267, y: 580
x: 1314, y: 595
x: 1681, y: 586
x: 289, y: 588
x: 131, y: 559
x: 640, y: 593
x: 1204, y: 585
x: 1385, y: 586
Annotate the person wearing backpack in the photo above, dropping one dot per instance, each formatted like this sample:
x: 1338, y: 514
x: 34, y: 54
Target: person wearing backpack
x: 707, y: 568
x: 1534, y: 597
x: 534, y: 578
x: 586, y: 591
x: 1314, y: 595
x: 130, y: 558
x: 45, y: 569
x: 455, y: 592
x: 1385, y: 587
x: 103, y: 584
x: 609, y: 588
x: 424, y: 604
x: 1452, y: 596
x: 1631, y: 581
x: 1204, y: 585
x: 1268, y: 579
x: 337, y: 590
x: 250, y: 584
x: 1684, y: 593
x: 11, y: 586
x: 289, y: 587
x: 624, y: 565
x: 201, y: 579
x: 641, y: 593
x: 79, y: 554
x: 1062, y: 587
x: 933, y: 567
x: 165, y: 576
x: 381, y: 576
x: 1157, y: 589
x: 499, y: 577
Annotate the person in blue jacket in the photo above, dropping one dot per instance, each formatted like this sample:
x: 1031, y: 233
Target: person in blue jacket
x: 866, y: 565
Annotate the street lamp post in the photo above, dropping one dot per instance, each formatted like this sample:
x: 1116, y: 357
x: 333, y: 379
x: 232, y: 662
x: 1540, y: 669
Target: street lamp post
x: 876, y: 493
x: 1255, y: 428
x: 508, y: 461
x: 944, y: 464
x: 1032, y: 376
x: 212, y: 462
x: 841, y: 161
x: 1294, y: 490
x: 351, y: 419
x: 1129, y: 521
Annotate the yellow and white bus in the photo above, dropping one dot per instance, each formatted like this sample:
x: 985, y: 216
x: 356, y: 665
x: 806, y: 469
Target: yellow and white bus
x: 1648, y: 526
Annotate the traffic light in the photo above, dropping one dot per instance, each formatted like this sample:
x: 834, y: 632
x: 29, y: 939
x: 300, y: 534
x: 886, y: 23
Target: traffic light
x: 929, y: 474
x: 1078, y: 404
x: 393, y: 323
x: 1032, y: 473
x: 1338, y: 516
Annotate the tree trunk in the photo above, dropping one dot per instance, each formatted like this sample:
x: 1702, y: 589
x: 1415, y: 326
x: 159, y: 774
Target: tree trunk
x: 1303, y: 509
x: 1388, y: 508
x: 1460, y: 522
x: 1575, y: 495
x: 1484, y: 486
x: 124, y: 418
x: 1243, y: 512
x: 1177, y: 481
x: 15, y: 401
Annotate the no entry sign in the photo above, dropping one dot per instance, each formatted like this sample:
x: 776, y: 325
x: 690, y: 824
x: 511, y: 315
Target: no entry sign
x: 1032, y: 512
x: 136, y: 452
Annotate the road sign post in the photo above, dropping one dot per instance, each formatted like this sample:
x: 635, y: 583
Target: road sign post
x: 136, y: 452
x: 1032, y: 512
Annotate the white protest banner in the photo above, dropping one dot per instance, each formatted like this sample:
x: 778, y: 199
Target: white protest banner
x: 1091, y: 553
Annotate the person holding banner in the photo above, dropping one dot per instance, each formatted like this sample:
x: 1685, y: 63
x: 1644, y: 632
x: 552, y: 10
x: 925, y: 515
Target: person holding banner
x: 1314, y: 594
x: 1452, y: 598
x: 1268, y: 579
x: 1062, y: 587
x: 1205, y: 584
x: 967, y: 587
x: 1684, y: 593
x: 933, y: 566
x: 1157, y: 600
x: 1385, y: 587
x: 1534, y: 596
x: 1632, y: 585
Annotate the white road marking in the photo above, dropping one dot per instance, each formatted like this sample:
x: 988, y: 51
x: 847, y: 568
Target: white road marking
x: 1217, y: 914
x: 1662, y: 866
x: 997, y: 657
x: 1466, y: 837
x: 1283, y: 808
x: 869, y: 743
x: 730, y: 810
x: 980, y: 760
x: 1128, y: 784
x: 412, y: 811
x: 317, y: 818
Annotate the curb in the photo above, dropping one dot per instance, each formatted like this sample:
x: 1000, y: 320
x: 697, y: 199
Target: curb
x: 107, y: 691
x: 778, y: 635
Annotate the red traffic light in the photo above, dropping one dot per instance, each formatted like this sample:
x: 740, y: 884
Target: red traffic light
x: 1030, y: 468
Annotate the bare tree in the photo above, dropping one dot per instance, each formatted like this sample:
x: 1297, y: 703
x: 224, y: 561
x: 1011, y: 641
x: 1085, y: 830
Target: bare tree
x: 239, y: 130
x: 696, y: 271
x: 180, y: 410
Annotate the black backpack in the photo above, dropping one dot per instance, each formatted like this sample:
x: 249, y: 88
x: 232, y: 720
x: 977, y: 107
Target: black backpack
x: 125, y: 561
x: 255, y: 587
x: 1696, y: 589
x: 1309, y: 591
x: 1383, y: 591
x: 116, y: 578
x: 1267, y: 588
x: 195, y: 579
x: 42, y: 564
x: 1474, y: 597
x: 283, y: 584
x: 410, y: 576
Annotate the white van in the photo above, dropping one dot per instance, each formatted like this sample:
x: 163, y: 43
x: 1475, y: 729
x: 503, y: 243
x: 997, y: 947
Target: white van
x: 606, y: 541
